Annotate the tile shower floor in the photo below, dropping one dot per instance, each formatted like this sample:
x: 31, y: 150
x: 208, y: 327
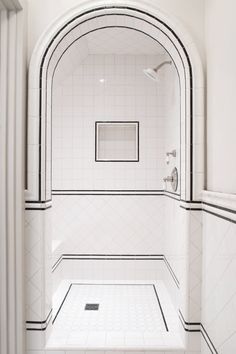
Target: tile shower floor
x: 118, y: 315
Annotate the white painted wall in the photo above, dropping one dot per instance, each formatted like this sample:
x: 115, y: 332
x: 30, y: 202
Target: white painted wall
x: 221, y: 73
x: 42, y: 13
x: 12, y: 119
x: 219, y: 248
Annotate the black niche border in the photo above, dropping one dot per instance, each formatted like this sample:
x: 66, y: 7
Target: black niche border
x: 116, y: 122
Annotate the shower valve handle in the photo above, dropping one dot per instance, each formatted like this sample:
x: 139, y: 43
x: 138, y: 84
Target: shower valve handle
x: 168, y: 179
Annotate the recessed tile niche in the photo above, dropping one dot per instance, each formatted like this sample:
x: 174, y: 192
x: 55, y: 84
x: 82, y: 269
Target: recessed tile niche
x: 117, y: 141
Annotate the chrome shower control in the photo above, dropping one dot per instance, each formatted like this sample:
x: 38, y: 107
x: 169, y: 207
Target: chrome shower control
x: 173, y: 179
x: 168, y: 179
x: 174, y: 182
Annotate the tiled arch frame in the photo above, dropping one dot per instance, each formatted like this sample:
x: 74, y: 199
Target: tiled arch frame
x: 135, y: 16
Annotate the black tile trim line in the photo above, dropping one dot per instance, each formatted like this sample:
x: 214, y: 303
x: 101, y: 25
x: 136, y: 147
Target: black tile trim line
x: 189, y: 327
x: 105, y: 27
x: 159, y: 303
x: 115, y: 284
x: 219, y: 208
x: 191, y: 201
x: 38, y: 201
x: 186, y: 325
x: 158, y: 193
x: 208, y: 340
x: 107, y: 190
x: 211, y: 212
x: 233, y: 211
x: 114, y: 122
x: 115, y: 192
x: 42, y: 325
x: 132, y: 16
x: 152, y: 17
x: 220, y: 216
x: 153, y: 192
x: 112, y: 192
x: 118, y: 257
x: 39, y: 208
x: 191, y: 209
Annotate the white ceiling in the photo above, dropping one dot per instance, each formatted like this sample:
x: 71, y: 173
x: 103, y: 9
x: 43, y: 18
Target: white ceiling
x: 122, y: 41
x: 116, y: 41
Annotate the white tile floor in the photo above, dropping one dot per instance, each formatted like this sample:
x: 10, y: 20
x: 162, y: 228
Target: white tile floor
x: 129, y: 317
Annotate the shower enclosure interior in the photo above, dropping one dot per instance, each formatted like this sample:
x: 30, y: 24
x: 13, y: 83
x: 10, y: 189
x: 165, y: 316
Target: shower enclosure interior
x: 104, y: 105
x: 116, y: 234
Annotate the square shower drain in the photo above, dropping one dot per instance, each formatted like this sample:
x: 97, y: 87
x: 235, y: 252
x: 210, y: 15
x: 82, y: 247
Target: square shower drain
x: 91, y: 307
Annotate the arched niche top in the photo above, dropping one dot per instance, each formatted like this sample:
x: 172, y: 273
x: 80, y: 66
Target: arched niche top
x: 77, y: 23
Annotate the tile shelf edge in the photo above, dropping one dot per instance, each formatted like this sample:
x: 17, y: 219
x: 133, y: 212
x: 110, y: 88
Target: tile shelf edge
x: 218, y: 199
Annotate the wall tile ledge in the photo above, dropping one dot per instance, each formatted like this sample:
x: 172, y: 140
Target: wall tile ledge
x: 44, y: 205
x: 221, y: 200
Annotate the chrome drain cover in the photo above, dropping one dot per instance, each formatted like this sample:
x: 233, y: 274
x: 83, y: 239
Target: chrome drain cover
x: 91, y: 307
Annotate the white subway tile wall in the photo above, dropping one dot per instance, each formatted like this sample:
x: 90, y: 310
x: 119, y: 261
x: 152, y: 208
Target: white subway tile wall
x: 108, y: 88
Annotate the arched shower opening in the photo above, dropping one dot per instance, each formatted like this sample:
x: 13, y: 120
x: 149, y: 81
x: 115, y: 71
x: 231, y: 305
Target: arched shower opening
x: 47, y: 57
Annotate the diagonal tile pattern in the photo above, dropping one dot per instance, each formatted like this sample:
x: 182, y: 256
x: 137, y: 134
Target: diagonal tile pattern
x: 108, y: 224
x: 219, y: 289
x: 38, y: 264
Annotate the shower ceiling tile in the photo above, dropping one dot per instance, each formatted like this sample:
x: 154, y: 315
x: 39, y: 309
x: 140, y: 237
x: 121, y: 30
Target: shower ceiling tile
x: 121, y: 41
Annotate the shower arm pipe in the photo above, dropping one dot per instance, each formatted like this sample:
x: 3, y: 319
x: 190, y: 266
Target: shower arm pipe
x: 161, y: 65
x: 171, y: 153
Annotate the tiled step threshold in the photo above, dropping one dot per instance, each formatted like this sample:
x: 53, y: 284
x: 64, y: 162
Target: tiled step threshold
x: 162, y: 342
x: 167, y: 349
x: 171, y: 343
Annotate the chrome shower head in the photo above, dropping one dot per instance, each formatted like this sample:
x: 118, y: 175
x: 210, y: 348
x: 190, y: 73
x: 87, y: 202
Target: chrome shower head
x: 153, y: 73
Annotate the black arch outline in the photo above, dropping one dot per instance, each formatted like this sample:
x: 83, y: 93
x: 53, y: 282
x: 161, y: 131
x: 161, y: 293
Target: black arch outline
x: 108, y: 27
x: 117, y: 8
